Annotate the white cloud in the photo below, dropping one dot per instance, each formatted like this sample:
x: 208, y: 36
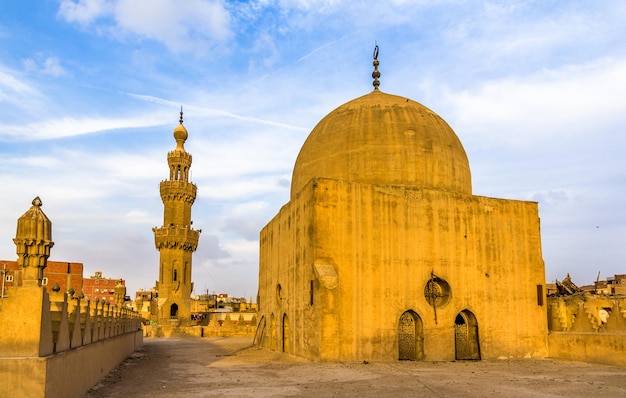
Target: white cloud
x: 13, y: 90
x: 547, y: 105
x: 83, y: 11
x: 192, y: 26
x: 50, y: 66
x: 138, y: 216
x: 180, y: 27
x: 265, y: 46
x: 235, y: 274
x: 72, y: 126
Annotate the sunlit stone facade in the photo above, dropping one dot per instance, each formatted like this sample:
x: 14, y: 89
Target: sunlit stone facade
x: 176, y: 240
x: 384, y: 253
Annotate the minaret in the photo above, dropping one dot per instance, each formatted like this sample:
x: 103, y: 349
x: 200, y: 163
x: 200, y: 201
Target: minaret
x: 176, y: 240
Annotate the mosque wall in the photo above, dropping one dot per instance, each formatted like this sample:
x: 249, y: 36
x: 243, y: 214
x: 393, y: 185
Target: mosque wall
x: 286, y: 280
x: 372, y: 250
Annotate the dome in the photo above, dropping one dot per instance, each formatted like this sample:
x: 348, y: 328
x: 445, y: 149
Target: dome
x: 384, y: 139
x: 34, y: 225
x: 180, y: 134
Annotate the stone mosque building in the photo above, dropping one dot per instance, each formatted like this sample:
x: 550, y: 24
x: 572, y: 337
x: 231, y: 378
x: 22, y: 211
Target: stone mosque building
x: 383, y: 252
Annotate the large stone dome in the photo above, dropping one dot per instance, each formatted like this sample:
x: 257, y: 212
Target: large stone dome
x: 384, y: 139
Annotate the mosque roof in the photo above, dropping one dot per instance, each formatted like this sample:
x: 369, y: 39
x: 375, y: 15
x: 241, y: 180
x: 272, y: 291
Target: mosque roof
x: 384, y: 139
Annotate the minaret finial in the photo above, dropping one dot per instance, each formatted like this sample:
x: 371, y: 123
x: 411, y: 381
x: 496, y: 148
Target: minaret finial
x: 376, y: 73
x: 181, y: 114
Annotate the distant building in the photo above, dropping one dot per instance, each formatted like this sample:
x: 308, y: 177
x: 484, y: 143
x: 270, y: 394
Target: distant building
x: 221, y: 302
x: 146, y: 304
x: 101, y: 288
x: 66, y: 274
x: 612, y: 285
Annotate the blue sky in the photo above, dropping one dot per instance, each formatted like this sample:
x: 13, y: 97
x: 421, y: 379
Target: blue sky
x: 90, y: 92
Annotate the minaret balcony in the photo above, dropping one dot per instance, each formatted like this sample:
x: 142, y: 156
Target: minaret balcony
x: 174, y: 190
x: 176, y: 237
x: 179, y: 157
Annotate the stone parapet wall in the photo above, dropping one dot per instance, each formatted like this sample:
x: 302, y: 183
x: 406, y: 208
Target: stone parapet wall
x: 601, y: 348
x: 588, y: 328
x: 584, y: 312
x: 230, y: 325
x: 54, y: 347
x: 67, y: 374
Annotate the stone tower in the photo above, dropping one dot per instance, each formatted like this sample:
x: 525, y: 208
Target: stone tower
x: 25, y: 317
x: 176, y: 240
x: 33, y: 241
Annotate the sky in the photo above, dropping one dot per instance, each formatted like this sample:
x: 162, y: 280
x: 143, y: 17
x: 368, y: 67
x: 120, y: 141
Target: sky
x: 91, y: 90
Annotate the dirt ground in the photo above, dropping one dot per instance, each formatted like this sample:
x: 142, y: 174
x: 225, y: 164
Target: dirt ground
x: 230, y: 367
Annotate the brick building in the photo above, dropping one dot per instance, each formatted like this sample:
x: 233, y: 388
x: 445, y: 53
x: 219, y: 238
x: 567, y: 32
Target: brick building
x: 100, y: 287
x: 66, y: 274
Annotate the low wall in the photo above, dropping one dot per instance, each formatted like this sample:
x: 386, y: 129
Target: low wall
x: 601, y: 348
x: 52, y: 346
x: 198, y: 331
x: 230, y: 324
x: 66, y: 374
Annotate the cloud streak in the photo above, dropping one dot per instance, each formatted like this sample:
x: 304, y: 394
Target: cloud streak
x: 70, y: 126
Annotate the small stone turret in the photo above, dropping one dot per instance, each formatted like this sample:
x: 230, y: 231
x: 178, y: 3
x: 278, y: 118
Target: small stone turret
x: 120, y: 293
x: 25, y: 317
x: 33, y: 241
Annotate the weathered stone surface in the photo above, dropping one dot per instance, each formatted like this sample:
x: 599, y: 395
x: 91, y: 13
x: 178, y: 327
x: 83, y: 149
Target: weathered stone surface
x: 382, y: 223
x: 176, y: 240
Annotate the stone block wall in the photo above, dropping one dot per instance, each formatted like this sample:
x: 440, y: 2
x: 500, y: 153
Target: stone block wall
x: 230, y: 325
x: 588, y: 328
x: 52, y: 346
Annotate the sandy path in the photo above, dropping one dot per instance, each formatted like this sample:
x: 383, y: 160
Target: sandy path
x: 228, y: 367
